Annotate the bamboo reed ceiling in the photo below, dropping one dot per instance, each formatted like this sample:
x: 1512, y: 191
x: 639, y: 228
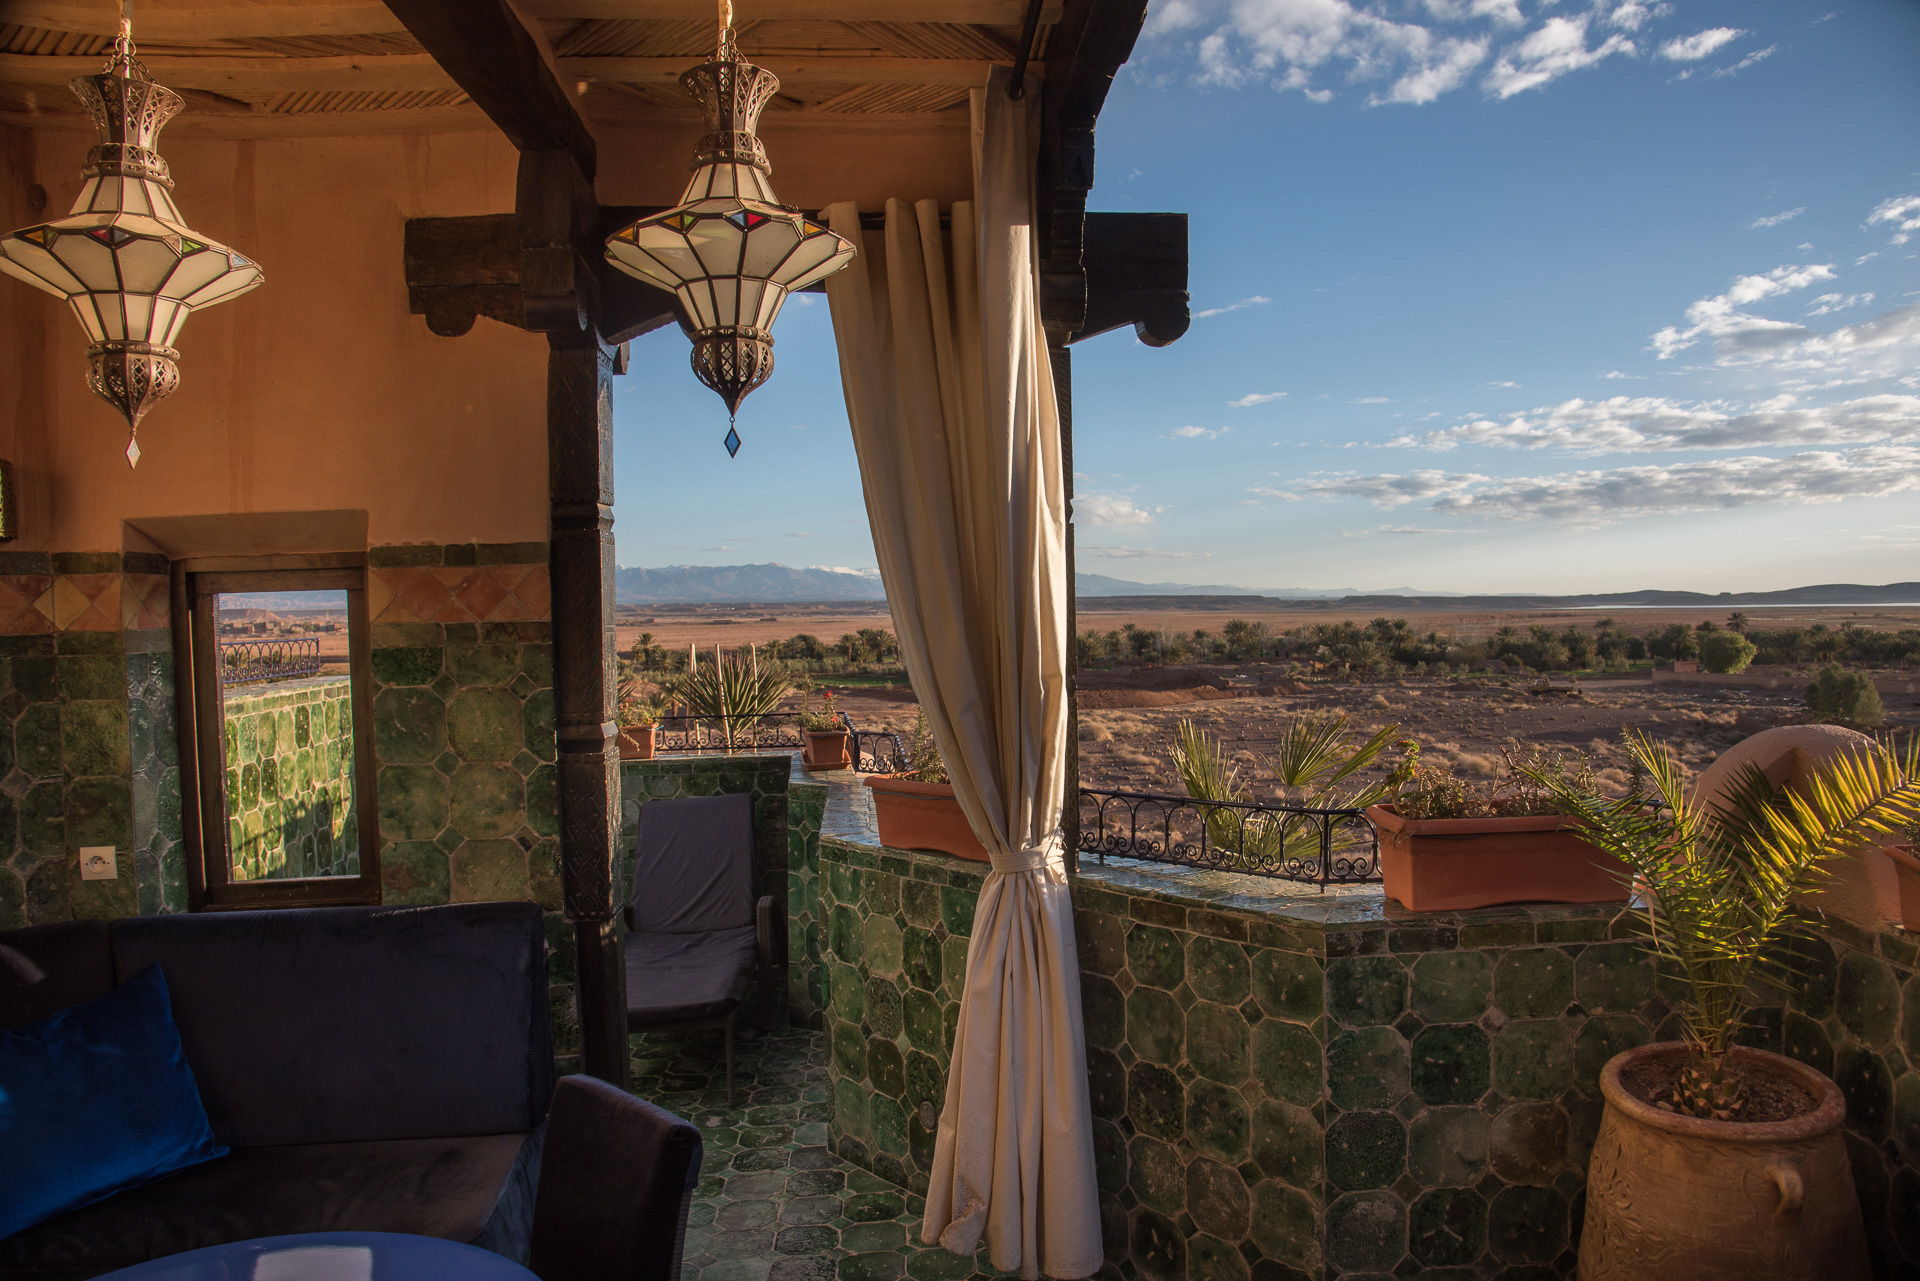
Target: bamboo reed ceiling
x: 621, y: 58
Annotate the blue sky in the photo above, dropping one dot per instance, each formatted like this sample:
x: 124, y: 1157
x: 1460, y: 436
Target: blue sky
x: 1489, y: 295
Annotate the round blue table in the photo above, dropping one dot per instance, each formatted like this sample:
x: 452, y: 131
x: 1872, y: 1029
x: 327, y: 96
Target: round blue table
x: 332, y: 1256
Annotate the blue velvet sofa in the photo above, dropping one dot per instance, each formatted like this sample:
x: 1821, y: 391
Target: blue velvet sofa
x: 373, y: 1069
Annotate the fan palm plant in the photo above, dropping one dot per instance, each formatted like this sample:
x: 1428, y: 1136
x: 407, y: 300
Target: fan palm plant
x: 1317, y: 755
x: 1717, y: 884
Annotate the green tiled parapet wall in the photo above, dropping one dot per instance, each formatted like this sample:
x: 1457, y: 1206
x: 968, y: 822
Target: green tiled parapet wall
x: 290, y: 794
x: 1304, y: 1090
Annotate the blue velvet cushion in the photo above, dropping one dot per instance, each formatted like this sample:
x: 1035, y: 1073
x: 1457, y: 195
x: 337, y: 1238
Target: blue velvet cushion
x: 96, y: 1098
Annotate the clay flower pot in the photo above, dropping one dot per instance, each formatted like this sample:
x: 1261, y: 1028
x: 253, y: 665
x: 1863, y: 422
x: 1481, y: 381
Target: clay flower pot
x: 1450, y: 864
x: 1906, y: 867
x: 827, y: 749
x: 922, y: 816
x: 1675, y: 1196
x: 636, y: 742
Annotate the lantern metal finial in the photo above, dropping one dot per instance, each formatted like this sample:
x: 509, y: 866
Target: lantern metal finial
x: 730, y: 250
x: 124, y: 259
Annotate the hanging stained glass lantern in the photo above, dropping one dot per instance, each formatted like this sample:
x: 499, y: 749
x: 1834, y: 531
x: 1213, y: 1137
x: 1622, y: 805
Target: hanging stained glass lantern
x: 126, y: 262
x: 730, y: 250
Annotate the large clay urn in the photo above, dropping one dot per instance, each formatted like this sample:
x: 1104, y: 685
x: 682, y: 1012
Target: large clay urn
x: 1672, y: 1196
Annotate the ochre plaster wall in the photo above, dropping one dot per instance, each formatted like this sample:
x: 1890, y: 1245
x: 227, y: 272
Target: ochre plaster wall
x: 316, y: 391
x: 815, y: 161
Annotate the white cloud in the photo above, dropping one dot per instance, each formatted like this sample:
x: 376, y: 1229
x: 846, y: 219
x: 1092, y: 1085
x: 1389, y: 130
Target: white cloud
x: 1440, y: 69
x: 1636, y: 423
x: 1109, y: 509
x: 1588, y: 498
x: 1391, y: 490
x: 1887, y: 346
x: 1139, y: 553
x: 1720, y: 317
x: 1902, y: 212
x: 1554, y: 48
x: 1253, y: 398
x: 1197, y: 433
x: 1774, y: 220
x: 1277, y: 495
x: 1614, y: 375
x: 1699, y: 45
x: 1373, y: 400
x: 1722, y: 72
x: 1253, y: 301
x: 1287, y: 44
x: 1827, y: 304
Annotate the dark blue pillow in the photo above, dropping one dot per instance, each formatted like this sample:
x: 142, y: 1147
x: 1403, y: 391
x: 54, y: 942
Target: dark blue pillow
x: 96, y: 1098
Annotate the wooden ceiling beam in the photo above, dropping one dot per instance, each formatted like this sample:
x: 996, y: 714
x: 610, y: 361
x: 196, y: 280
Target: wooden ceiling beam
x: 250, y: 77
x: 199, y: 20
x: 984, y: 13
x: 489, y: 52
x: 794, y: 72
x: 162, y: 23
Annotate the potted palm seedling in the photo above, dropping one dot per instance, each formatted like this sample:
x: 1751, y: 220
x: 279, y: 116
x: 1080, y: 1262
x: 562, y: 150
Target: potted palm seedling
x: 916, y: 808
x: 734, y: 695
x: 1715, y: 1160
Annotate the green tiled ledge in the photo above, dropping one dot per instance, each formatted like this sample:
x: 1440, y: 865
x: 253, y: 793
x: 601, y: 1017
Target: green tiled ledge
x: 1290, y: 1084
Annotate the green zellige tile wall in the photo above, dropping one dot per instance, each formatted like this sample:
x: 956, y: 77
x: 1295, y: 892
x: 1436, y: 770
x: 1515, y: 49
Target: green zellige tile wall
x: 290, y: 790
x: 1276, y: 1100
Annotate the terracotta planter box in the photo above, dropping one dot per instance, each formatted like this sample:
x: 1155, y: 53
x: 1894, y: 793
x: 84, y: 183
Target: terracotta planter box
x: 827, y: 749
x: 1450, y: 864
x: 922, y: 816
x: 1906, y: 867
x: 636, y: 742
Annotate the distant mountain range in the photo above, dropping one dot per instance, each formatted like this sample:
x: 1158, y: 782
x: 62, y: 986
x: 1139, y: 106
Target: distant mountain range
x: 771, y: 583
x: 687, y: 584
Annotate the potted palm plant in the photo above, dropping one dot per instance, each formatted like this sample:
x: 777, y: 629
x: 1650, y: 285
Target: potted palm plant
x: 1715, y: 1160
x: 916, y: 809
x: 1447, y: 844
x: 827, y: 735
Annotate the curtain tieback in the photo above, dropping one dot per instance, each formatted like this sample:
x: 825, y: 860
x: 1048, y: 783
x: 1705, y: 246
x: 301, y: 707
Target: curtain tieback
x: 1050, y: 852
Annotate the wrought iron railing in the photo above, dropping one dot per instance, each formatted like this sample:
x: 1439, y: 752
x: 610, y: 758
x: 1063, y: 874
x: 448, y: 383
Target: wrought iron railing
x: 1288, y: 842
x: 248, y: 662
x: 874, y: 751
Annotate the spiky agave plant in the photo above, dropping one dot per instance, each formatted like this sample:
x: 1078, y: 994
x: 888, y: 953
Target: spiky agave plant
x: 735, y: 693
x: 1716, y: 885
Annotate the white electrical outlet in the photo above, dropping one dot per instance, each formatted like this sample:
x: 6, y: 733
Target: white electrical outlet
x: 97, y: 863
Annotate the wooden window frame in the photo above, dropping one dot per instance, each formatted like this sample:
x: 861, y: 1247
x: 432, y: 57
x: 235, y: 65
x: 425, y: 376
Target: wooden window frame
x: 203, y: 774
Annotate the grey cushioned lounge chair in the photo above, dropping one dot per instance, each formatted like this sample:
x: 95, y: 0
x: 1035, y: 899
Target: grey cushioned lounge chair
x: 698, y: 935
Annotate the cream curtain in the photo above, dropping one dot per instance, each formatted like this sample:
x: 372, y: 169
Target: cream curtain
x: 951, y: 398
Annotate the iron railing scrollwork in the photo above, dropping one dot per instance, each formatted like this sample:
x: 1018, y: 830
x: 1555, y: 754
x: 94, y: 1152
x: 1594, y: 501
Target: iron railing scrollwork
x: 874, y: 751
x: 248, y: 662
x: 1287, y: 842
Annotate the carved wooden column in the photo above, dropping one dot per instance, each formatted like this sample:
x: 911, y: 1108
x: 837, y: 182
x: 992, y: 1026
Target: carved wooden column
x: 1062, y: 358
x: 580, y: 473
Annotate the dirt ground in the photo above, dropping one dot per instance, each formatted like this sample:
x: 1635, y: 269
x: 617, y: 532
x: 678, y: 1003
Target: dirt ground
x: 1461, y: 724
